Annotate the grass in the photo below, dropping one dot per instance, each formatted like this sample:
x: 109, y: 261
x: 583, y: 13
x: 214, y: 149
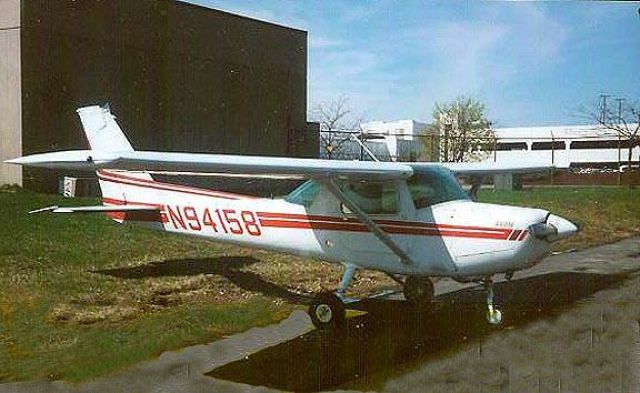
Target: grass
x: 82, y: 297
x: 607, y: 214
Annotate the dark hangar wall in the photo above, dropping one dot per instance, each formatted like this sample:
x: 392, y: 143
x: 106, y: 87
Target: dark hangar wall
x: 179, y: 77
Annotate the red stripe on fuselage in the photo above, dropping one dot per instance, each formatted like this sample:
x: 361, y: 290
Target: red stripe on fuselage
x: 515, y: 234
x: 332, y: 223
x: 414, y: 224
x: 523, y: 235
x: 123, y: 179
x: 357, y: 227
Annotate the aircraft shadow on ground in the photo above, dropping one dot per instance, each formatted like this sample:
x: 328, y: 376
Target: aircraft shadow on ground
x: 227, y: 266
x: 391, y: 333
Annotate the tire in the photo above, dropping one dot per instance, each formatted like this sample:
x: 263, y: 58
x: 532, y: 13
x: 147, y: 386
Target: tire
x: 418, y: 291
x: 327, y: 311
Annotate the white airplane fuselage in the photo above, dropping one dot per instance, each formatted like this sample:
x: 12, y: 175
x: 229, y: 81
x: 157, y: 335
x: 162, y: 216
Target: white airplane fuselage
x: 477, y: 239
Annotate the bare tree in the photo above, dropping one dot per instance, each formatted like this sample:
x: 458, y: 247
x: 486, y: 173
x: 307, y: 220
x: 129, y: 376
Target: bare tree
x: 465, y: 131
x: 336, y: 124
x: 623, y: 118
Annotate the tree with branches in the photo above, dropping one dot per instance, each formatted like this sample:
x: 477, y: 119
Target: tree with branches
x: 336, y: 126
x: 464, y: 130
x: 623, y: 119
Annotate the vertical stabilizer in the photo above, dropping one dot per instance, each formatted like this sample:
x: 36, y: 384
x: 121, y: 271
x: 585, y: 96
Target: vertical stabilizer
x: 104, y: 135
x: 101, y: 129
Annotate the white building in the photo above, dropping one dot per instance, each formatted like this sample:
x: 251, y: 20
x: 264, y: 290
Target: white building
x: 584, y: 145
x: 405, y: 139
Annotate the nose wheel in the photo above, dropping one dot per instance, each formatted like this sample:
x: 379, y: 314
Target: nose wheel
x: 494, y: 316
x: 418, y: 290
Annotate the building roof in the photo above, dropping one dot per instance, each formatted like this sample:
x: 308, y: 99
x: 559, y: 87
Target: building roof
x: 555, y: 132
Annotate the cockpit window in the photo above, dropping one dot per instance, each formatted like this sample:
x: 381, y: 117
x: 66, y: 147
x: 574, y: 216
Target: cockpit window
x: 372, y: 197
x: 432, y: 185
x: 304, y: 194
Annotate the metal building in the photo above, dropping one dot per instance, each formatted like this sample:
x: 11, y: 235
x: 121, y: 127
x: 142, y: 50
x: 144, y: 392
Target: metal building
x: 580, y: 146
x: 180, y: 77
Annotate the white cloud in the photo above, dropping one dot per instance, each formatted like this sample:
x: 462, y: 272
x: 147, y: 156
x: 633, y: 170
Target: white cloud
x: 322, y: 42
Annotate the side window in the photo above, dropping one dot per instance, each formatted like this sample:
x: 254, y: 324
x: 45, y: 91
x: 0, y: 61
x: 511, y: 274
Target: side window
x: 423, y: 191
x: 372, y: 198
x: 305, y: 194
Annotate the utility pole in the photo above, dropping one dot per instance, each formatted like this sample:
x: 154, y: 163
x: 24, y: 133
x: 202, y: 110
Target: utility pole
x: 603, y: 106
x: 619, y: 109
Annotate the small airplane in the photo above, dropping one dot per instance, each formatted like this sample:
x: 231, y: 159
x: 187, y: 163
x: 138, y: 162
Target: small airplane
x: 404, y: 219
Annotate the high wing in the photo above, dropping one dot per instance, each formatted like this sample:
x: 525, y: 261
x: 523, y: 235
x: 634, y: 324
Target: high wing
x: 258, y: 166
x: 216, y: 163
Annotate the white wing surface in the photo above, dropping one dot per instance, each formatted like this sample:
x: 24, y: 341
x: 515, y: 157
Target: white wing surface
x: 490, y: 168
x: 215, y: 163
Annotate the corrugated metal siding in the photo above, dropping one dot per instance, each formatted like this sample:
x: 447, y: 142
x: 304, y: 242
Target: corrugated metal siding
x: 178, y: 76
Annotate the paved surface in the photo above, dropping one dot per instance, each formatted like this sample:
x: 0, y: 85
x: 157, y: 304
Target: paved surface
x: 275, y: 347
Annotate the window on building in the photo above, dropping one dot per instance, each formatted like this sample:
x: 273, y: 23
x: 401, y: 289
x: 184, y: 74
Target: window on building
x: 551, y: 145
x: 502, y: 146
x: 602, y: 144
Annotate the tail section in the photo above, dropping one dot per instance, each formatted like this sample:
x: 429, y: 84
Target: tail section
x: 102, y: 131
x: 104, y: 135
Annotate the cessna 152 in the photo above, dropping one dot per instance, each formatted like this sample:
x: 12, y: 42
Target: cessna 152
x: 405, y: 219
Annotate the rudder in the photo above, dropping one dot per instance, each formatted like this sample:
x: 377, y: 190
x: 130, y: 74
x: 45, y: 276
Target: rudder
x: 102, y: 130
x: 105, y: 135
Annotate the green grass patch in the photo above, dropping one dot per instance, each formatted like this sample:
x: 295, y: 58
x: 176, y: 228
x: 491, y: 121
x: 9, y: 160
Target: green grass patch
x: 47, y: 268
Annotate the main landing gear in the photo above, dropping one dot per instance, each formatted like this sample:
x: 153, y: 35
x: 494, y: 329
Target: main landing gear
x: 418, y: 291
x: 327, y: 310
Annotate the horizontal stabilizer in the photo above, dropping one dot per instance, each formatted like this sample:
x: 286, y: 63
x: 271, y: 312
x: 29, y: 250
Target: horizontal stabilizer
x: 95, y: 209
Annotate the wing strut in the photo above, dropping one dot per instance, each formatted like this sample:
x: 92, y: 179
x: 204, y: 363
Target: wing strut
x: 369, y: 223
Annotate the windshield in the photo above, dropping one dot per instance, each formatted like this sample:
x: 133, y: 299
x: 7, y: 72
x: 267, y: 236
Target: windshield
x: 431, y: 185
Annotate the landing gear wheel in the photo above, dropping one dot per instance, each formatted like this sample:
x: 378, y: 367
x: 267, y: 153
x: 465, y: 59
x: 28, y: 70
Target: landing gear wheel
x: 327, y: 311
x: 494, y: 316
x: 418, y: 291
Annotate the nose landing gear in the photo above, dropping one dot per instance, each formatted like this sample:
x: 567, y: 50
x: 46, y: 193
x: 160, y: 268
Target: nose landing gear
x: 494, y: 316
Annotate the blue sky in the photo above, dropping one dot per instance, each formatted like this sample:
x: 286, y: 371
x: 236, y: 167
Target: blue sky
x: 532, y: 63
